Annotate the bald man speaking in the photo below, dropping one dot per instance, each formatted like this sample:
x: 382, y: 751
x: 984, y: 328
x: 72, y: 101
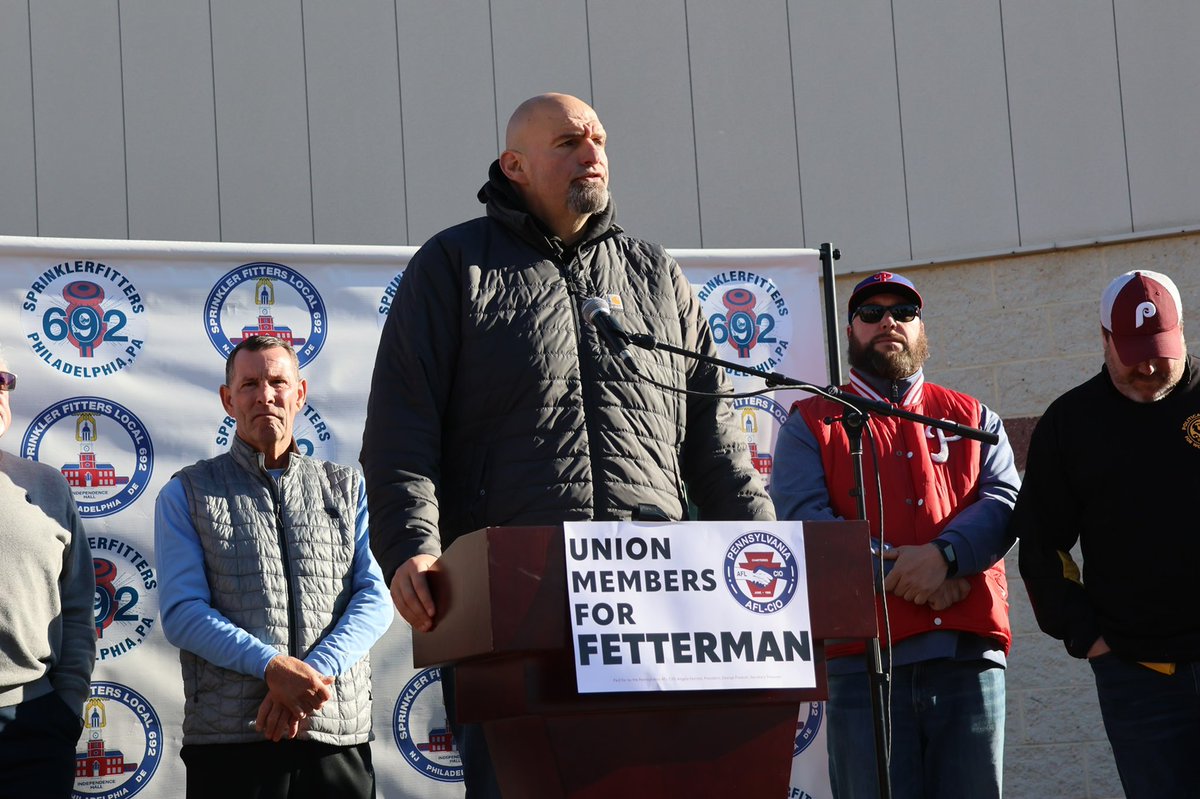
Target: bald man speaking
x: 495, y: 402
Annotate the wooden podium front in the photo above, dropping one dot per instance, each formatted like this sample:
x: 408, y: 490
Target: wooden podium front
x: 502, y: 621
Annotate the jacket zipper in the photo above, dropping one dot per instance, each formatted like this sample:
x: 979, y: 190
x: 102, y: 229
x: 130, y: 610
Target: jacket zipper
x: 277, y: 498
x: 587, y: 387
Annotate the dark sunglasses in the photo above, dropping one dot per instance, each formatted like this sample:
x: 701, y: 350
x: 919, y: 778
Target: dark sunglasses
x: 874, y: 313
x: 8, y: 381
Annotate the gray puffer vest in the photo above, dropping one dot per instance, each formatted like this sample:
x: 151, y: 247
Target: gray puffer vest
x: 279, y: 563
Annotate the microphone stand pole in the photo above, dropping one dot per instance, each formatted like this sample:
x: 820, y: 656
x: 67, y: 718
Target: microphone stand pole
x: 853, y: 421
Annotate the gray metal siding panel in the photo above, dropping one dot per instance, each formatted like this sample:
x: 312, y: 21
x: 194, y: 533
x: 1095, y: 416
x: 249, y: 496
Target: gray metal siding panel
x: 78, y: 113
x: 354, y: 122
x: 848, y: 115
x: 1068, y: 142
x: 1160, y: 82
x: 449, y: 111
x: 745, y: 124
x: 262, y: 121
x: 1007, y: 124
x: 958, y: 158
x: 18, y: 200
x: 169, y: 124
x: 644, y: 98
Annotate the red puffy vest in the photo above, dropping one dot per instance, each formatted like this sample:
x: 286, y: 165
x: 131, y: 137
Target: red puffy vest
x: 927, y: 476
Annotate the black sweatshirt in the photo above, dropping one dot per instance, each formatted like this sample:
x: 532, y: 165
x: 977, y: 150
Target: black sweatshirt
x: 1118, y: 477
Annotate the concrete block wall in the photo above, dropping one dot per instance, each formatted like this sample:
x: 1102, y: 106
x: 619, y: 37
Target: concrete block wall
x: 1018, y: 331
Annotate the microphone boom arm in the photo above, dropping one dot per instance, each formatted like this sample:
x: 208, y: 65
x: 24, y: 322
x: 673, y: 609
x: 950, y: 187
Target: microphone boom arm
x: 860, y: 403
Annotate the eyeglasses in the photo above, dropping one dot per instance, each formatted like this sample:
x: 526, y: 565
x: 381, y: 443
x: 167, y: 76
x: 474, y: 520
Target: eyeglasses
x: 874, y: 313
x: 8, y: 381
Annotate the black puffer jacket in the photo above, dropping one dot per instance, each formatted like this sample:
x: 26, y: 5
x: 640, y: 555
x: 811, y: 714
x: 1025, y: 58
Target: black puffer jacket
x: 493, y: 404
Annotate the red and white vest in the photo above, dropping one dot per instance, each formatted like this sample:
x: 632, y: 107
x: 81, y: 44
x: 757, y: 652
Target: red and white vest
x: 927, y: 477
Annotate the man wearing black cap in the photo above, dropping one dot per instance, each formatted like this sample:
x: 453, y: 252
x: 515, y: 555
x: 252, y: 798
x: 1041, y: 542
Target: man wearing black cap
x: 946, y: 503
x: 1112, y: 465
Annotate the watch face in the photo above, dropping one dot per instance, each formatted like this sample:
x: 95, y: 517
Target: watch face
x: 947, y: 550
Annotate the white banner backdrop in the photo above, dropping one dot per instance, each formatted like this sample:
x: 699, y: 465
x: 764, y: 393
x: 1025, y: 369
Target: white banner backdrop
x: 120, y: 348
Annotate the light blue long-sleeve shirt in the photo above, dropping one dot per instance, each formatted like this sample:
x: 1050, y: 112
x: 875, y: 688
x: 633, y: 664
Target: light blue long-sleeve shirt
x: 979, y: 532
x: 190, y: 622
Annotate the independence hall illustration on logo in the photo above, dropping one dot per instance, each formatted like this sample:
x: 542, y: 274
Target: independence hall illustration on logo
x: 264, y: 296
x: 98, y: 761
x: 440, y: 740
x: 764, y: 463
x: 87, y: 473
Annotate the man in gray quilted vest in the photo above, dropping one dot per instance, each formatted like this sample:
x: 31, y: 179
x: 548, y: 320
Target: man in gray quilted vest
x: 271, y: 594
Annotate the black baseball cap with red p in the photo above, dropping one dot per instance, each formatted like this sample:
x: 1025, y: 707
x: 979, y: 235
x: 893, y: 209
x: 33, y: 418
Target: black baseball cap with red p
x: 883, y: 283
x: 1142, y: 312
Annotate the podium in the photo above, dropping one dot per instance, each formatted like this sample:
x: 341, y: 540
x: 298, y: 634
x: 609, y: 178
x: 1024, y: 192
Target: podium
x: 501, y: 596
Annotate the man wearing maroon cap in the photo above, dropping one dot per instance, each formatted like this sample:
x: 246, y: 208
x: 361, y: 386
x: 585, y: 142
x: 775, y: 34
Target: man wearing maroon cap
x: 946, y: 503
x: 1112, y: 465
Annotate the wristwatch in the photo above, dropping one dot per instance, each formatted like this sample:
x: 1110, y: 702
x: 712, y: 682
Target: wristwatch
x: 947, y: 550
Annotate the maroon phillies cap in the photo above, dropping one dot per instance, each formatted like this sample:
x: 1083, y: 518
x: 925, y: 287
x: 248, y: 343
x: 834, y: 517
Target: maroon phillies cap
x: 883, y: 283
x: 1142, y: 311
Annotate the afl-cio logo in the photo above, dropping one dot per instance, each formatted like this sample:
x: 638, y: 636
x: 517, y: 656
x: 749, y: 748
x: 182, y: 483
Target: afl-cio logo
x: 126, y: 603
x: 749, y: 318
x: 761, y: 572
x: 122, y: 743
x: 100, y: 446
x: 422, y: 731
x: 266, y: 299
x: 84, y: 319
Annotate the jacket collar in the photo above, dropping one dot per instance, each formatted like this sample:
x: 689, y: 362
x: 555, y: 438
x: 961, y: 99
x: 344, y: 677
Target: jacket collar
x: 905, y: 392
x: 254, y: 461
x: 505, y: 205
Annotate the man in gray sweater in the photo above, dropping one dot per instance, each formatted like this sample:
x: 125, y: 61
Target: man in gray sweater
x: 47, y: 626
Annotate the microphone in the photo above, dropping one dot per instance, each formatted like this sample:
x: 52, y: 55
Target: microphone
x: 598, y: 313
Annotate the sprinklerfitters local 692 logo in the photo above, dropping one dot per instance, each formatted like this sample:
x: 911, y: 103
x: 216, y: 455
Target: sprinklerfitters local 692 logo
x: 807, y: 726
x: 387, y: 298
x: 126, y: 603
x: 754, y: 415
x: 99, y: 445
x: 84, y: 319
x: 750, y: 321
x: 761, y: 572
x: 422, y: 731
x: 266, y: 299
x: 122, y: 743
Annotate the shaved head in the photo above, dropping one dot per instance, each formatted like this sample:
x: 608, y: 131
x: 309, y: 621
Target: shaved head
x: 555, y: 159
x: 543, y: 106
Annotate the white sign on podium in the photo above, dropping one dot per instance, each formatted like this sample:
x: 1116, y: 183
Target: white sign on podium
x: 688, y: 606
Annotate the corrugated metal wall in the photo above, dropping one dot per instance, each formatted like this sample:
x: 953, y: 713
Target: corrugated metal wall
x: 902, y: 130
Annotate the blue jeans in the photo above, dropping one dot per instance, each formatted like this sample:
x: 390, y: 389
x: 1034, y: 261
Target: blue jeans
x: 1153, y: 723
x: 479, y: 774
x: 947, y: 732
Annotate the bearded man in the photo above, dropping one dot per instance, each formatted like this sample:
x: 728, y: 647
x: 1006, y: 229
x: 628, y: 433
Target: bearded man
x: 494, y: 403
x: 940, y: 511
